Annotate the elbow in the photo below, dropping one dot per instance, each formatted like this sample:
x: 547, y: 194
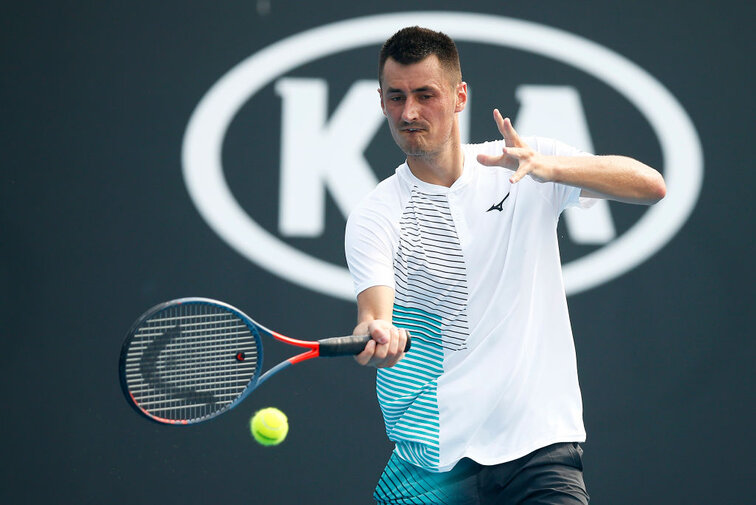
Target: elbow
x: 647, y: 183
x: 657, y: 189
x: 651, y: 188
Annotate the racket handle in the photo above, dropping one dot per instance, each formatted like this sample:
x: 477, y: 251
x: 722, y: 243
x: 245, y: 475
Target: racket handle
x: 345, y: 346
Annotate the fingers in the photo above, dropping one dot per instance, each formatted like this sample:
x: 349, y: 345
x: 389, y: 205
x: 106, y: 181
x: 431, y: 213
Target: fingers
x: 385, y: 349
x: 522, y: 156
x: 520, y: 153
x: 518, y: 175
x: 511, y: 138
x: 395, y: 350
x: 516, y: 155
x: 490, y: 161
x: 515, y: 152
x: 366, y: 355
x: 509, y: 158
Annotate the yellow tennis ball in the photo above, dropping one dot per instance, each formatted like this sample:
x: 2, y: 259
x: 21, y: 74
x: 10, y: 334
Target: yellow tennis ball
x: 269, y: 426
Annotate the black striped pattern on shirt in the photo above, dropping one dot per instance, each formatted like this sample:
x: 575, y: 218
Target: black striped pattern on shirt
x: 429, y: 268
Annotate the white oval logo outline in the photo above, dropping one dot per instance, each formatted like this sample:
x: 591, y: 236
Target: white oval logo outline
x: 203, y: 171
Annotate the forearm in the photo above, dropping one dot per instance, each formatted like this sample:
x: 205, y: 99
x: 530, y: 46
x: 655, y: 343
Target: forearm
x: 374, y: 308
x: 613, y: 177
x: 373, y: 304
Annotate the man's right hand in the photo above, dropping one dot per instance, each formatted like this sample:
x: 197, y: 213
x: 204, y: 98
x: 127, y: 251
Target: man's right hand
x: 386, y: 348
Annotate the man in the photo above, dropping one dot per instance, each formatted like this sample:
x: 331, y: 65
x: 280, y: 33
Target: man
x: 459, y: 247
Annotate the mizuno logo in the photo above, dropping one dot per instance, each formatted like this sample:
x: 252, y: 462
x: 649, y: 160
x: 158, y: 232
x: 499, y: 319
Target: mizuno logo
x: 498, y: 206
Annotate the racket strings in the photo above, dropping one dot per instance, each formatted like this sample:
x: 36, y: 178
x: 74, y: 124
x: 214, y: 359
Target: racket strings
x: 183, y: 363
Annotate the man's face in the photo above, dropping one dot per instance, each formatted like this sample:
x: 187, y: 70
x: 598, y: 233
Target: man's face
x: 420, y: 102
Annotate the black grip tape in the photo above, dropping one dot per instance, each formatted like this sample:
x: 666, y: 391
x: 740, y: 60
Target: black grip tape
x: 346, y: 346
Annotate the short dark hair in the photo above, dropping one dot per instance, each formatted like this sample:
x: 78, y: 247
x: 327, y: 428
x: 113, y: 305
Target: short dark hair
x: 413, y: 44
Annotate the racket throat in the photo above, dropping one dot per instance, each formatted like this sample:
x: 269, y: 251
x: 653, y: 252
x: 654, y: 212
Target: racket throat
x: 314, y: 348
x: 267, y: 375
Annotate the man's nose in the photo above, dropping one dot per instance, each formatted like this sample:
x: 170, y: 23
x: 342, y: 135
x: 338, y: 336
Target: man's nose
x: 410, y: 111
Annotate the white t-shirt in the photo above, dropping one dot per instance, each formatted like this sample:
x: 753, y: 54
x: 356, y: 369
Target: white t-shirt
x: 476, y: 272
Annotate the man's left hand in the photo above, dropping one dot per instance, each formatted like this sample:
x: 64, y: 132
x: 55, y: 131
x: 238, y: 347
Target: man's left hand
x: 517, y: 156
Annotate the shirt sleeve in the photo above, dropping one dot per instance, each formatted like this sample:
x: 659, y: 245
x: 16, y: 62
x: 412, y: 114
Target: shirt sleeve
x: 369, y: 247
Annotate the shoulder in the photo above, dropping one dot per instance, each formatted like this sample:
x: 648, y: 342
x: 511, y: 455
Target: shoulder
x: 384, y: 197
x: 380, y: 210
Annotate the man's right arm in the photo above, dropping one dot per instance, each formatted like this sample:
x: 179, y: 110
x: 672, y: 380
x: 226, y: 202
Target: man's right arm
x: 374, y: 308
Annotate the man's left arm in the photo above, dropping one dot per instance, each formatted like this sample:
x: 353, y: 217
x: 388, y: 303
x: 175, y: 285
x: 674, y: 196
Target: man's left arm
x: 617, y: 178
x: 610, y: 177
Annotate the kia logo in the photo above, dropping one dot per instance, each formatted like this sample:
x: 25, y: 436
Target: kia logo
x: 309, y: 139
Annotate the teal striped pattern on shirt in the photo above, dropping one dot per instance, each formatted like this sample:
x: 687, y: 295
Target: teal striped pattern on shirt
x: 407, y: 392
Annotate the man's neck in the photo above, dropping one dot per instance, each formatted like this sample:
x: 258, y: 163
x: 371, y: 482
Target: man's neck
x: 441, y: 169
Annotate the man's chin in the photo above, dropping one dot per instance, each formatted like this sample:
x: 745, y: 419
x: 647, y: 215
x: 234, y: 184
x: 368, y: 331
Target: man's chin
x: 416, y: 153
x: 413, y: 150
x: 409, y: 148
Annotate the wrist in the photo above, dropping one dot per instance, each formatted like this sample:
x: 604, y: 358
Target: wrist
x: 558, y: 169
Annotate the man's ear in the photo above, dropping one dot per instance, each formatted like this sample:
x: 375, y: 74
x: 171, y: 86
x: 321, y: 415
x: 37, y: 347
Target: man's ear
x: 461, y: 92
x: 383, y: 107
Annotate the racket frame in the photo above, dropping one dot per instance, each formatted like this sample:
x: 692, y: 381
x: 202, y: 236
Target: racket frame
x: 313, y: 351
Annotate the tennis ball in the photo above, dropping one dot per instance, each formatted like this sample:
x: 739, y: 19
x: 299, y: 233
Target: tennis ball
x: 269, y: 426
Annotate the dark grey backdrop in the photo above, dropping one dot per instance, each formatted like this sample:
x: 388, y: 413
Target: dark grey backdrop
x: 97, y: 226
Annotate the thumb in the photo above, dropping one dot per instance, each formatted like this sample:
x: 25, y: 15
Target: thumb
x: 489, y: 160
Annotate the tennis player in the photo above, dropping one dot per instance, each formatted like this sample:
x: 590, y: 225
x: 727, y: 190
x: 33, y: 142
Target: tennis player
x: 459, y: 248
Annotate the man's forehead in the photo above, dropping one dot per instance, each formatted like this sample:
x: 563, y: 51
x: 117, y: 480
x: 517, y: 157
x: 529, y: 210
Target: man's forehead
x: 427, y: 72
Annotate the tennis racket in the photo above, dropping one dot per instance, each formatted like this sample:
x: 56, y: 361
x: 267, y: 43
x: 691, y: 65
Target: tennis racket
x: 190, y: 360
